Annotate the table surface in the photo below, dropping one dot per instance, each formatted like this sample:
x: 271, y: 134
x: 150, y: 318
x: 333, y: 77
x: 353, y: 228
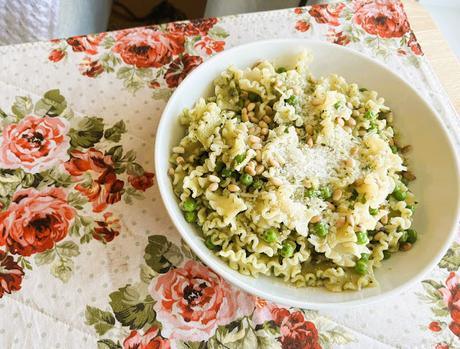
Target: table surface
x: 437, y: 50
x: 105, y: 267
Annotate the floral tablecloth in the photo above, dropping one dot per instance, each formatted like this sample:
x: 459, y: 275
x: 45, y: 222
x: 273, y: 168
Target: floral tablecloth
x: 88, y: 255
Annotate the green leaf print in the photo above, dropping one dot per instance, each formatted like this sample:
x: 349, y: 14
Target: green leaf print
x: 131, y: 308
x: 161, y: 255
x: 134, y: 169
x: 108, y: 344
x: 52, y: 104
x: 22, y: 106
x: 102, y: 321
x: 45, y: 257
x: 218, y: 33
x: 236, y: 335
x: 114, y: 133
x: 89, y: 132
x: 451, y: 260
x: 68, y: 249
x: 62, y: 269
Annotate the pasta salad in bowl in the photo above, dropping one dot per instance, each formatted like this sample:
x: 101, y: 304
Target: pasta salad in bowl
x: 300, y: 181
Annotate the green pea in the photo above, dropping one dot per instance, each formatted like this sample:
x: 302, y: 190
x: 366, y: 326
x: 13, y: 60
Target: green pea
x: 254, y: 97
x: 270, y: 235
x: 373, y: 211
x: 292, y: 100
x: 325, y: 193
x: 226, y: 172
x: 337, y: 105
x: 411, y: 236
x: 189, y: 205
x: 361, y: 267
x: 246, y: 179
x: 394, y: 149
x: 411, y: 207
x: 320, y: 229
x: 311, y: 193
x: 240, y: 158
x: 257, y: 183
x: 365, y: 256
x: 369, y: 115
x: 288, y: 248
x: 362, y: 238
x: 399, y: 194
x: 386, y: 254
x: 404, y: 237
x: 190, y: 216
x: 209, y: 244
x: 280, y: 70
x: 219, y: 166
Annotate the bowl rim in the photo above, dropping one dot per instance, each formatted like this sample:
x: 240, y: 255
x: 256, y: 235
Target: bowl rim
x: 225, y: 271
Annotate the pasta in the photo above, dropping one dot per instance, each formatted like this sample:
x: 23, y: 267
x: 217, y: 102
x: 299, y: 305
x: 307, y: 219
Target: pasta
x: 296, y: 177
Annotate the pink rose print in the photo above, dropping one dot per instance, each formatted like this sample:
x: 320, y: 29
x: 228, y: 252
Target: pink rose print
x: 35, y: 220
x: 150, y: 340
x: 384, y: 18
x: 451, y: 296
x: 302, y: 26
x: 193, y: 300
x: 147, y: 48
x: 208, y: 45
x: 34, y: 144
x: 263, y: 311
x: 56, y: 55
x: 90, y: 68
x: 327, y: 13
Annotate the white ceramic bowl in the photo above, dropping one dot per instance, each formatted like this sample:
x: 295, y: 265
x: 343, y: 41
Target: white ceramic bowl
x: 433, y: 160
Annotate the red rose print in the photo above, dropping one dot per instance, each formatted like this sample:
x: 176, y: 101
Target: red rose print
x: 34, y: 144
x: 11, y: 274
x: 56, y: 55
x: 154, y: 84
x: 150, y: 340
x: 296, y: 332
x: 434, y: 326
x: 93, y: 160
x: 298, y: 11
x: 104, y: 191
x: 180, y: 67
x: 107, y: 229
x: 105, y: 188
x: 208, y: 45
x: 384, y: 18
x: 90, y: 68
x: 146, y: 48
x: 302, y: 26
x: 441, y: 346
x: 193, y: 300
x: 142, y: 182
x: 455, y: 328
x: 338, y: 38
x: 193, y: 27
x: 414, y: 45
x: 88, y: 43
x: 327, y: 13
x: 35, y: 220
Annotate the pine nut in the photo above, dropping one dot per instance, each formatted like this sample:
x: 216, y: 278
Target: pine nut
x: 273, y: 162
x: 171, y: 171
x: 256, y: 146
x: 263, y: 124
x: 259, y: 169
x: 405, y: 246
x: 315, y: 219
x: 310, y: 142
x: 254, y: 139
x: 213, y: 178
x: 354, y: 151
x: 268, y: 109
x: 250, y: 170
x: 258, y: 155
x: 337, y: 195
x: 306, y: 183
x: 349, y: 162
x: 351, y: 122
x: 351, y: 220
x: 340, y: 122
x: 267, y: 119
x: 384, y: 219
x: 213, y: 186
x: 251, y: 114
x: 233, y: 188
x: 180, y: 160
x: 276, y: 181
x: 340, y: 222
x: 264, y: 131
x: 251, y: 106
x: 389, y: 117
x: 244, y: 115
x: 253, y: 119
x: 178, y: 150
x: 330, y: 205
x: 316, y: 101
